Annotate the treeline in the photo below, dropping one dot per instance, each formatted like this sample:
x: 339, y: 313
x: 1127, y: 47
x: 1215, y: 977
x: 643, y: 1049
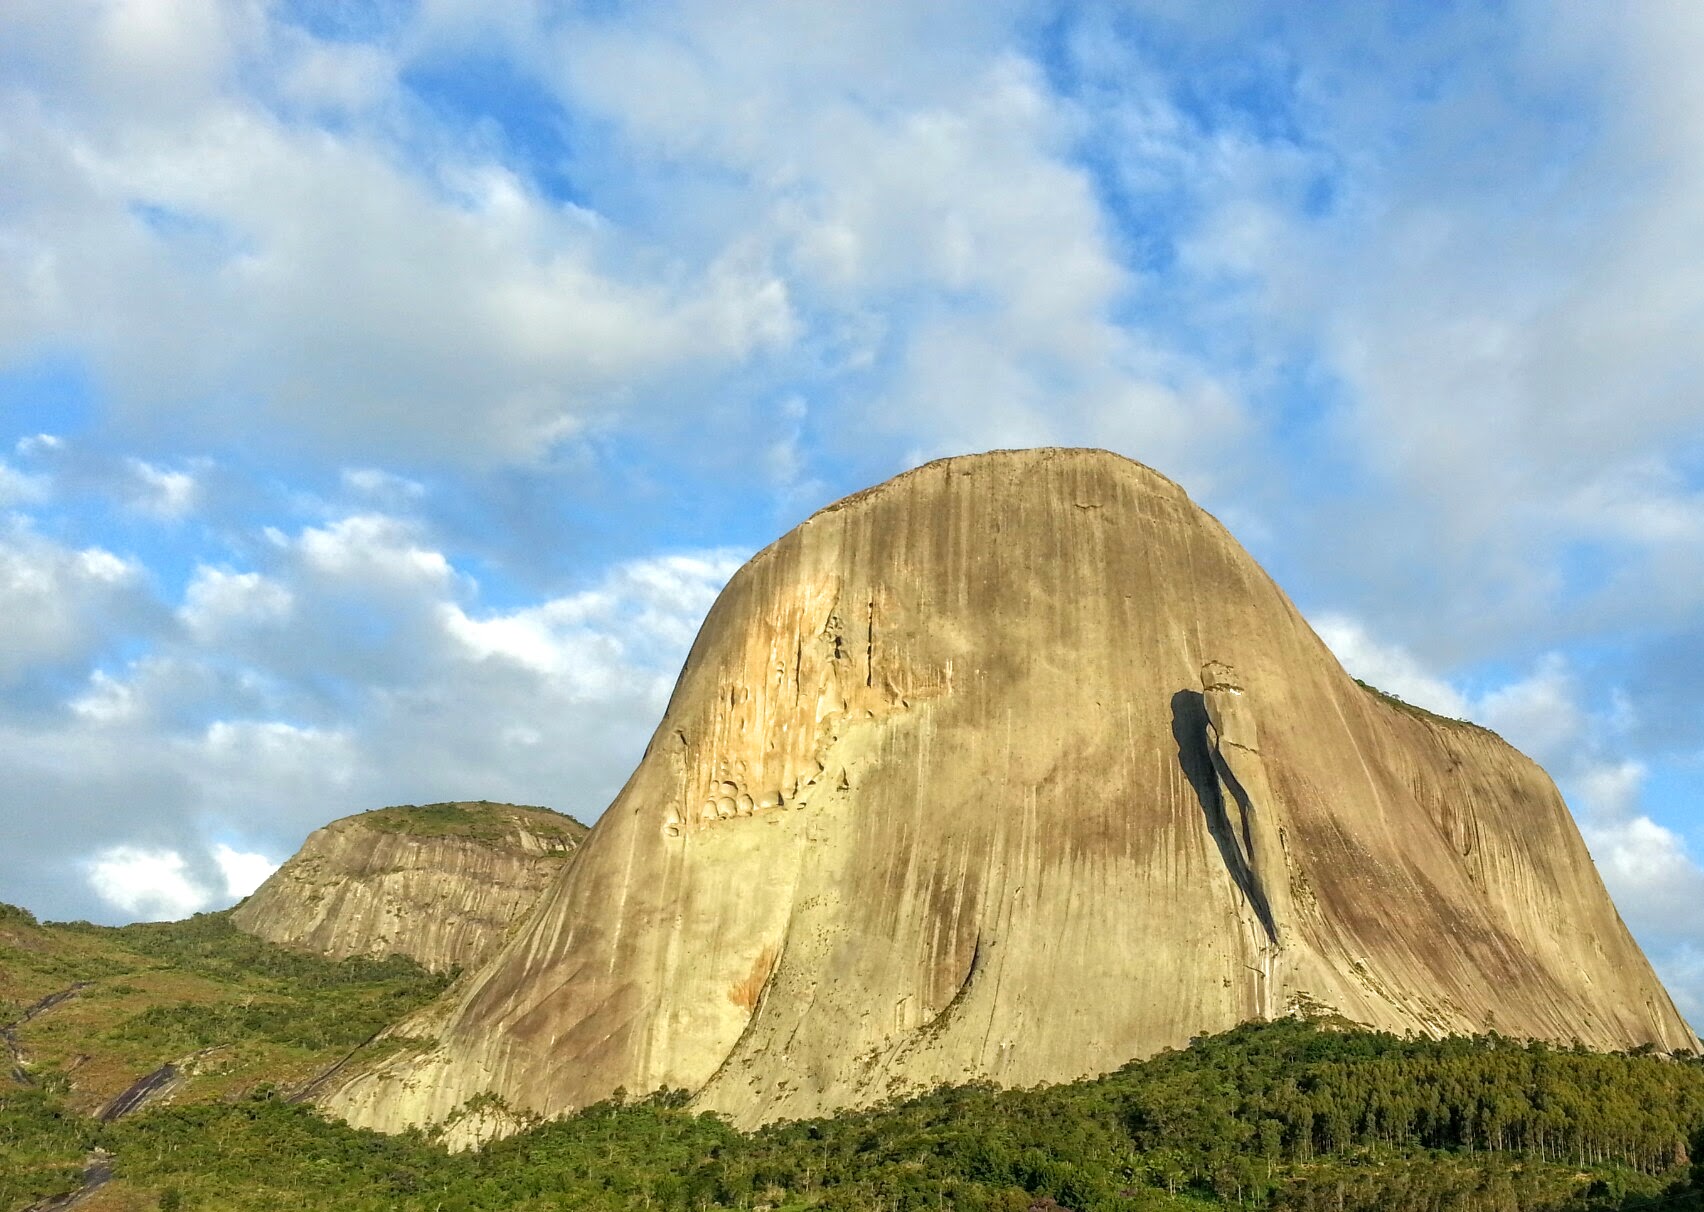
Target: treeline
x: 1269, y: 1113
x: 1284, y: 1115
x: 1288, y: 1090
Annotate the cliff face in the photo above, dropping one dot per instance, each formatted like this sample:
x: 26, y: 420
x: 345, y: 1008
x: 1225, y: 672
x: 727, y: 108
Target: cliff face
x: 1015, y: 768
x: 442, y: 884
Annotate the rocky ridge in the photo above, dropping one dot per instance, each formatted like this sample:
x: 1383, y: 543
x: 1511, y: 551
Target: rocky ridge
x: 443, y: 884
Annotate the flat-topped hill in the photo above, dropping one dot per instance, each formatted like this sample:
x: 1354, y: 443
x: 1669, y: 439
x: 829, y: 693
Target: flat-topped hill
x: 440, y: 883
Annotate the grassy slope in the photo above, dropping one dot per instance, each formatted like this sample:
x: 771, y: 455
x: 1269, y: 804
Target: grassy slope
x: 231, y: 1011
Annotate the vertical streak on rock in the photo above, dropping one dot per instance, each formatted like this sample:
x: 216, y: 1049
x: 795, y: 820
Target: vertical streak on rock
x: 1234, y: 741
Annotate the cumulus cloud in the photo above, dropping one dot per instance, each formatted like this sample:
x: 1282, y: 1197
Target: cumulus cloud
x: 153, y: 885
x: 39, y: 443
x: 1388, y: 666
x: 938, y: 226
x: 106, y: 698
x: 584, y: 641
x: 243, y: 871
x: 371, y: 550
x: 173, y: 216
x: 1659, y: 884
x: 1684, y: 971
x: 60, y: 603
x: 786, y: 250
x: 1657, y: 881
x: 913, y: 238
x: 218, y: 601
x: 1502, y: 393
x: 159, y: 885
x: 162, y: 492
x: 1540, y: 713
x: 383, y: 486
x: 17, y: 487
x: 357, y: 666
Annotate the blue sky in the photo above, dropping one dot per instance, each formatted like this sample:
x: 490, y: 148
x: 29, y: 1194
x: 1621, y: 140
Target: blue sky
x: 386, y: 389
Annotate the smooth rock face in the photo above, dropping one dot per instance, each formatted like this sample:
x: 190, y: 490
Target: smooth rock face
x: 442, y: 884
x: 1014, y: 768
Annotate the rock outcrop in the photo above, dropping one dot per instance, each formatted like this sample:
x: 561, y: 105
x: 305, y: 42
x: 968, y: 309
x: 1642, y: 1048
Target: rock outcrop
x: 1015, y: 768
x: 443, y: 883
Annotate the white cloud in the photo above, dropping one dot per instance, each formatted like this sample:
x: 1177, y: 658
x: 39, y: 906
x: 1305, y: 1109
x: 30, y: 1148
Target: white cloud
x: 1506, y: 392
x: 17, y: 487
x: 1541, y: 713
x: 157, y: 884
x: 58, y: 601
x: 218, y: 601
x: 1682, y: 970
x: 163, y: 493
x: 1645, y: 501
x: 373, y: 549
x: 107, y: 699
x: 266, y: 748
x: 1657, y: 883
x: 357, y: 669
x: 150, y: 884
x: 1390, y: 667
x: 338, y: 79
x: 938, y: 224
x: 382, y: 485
x: 247, y: 232
x: 362, y: 298
x: 590, y: 642
x: 37, y: 443
x: 1608, y: 792
x: 243, y: 870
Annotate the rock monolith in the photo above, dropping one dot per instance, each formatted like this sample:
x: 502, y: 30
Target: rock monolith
x: 1015, y: 768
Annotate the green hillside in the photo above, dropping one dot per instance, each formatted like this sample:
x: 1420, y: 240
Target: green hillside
x: 1289, y: 1115
x: 86, y: 1012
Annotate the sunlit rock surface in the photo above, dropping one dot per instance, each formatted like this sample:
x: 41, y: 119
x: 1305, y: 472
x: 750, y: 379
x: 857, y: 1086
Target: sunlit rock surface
x: 443, y: 883
x: 1014, y: 768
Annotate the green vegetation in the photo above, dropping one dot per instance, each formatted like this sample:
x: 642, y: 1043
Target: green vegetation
x: 1284, y: 1115
x: 229, y: 1010
x: 1403, y: 705
x: 479, y: 820
x: 13, y: 915
x: 42, y: 1145
x: 1292, y: 1116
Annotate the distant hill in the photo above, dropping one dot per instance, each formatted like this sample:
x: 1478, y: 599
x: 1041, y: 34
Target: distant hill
x: 440, y: 883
